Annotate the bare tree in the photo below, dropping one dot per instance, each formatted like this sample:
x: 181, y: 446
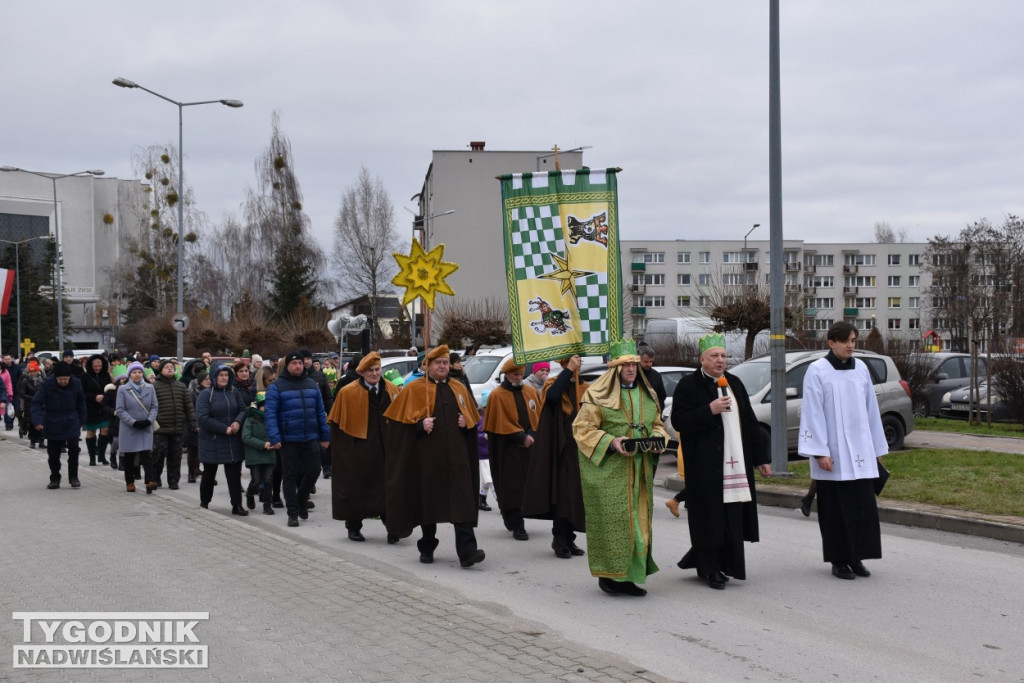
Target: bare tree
x: 364, y: 238
x: 473, y: 322
x: 886, y: 234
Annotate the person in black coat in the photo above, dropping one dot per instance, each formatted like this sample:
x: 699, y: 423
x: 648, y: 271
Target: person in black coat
x: 652, y: 375
x: 721, y: 443
x: 97, y: 426
x: 58, y: 412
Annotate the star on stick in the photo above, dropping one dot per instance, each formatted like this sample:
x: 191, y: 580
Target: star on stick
x: 565, y: 275
x: 422, y: 274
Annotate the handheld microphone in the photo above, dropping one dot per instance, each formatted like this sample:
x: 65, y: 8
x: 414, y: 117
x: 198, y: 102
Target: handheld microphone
x: 722, y: 384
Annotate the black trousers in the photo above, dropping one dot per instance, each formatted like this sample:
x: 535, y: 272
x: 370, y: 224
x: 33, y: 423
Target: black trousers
x: 465, y: 539
x: 848, y: 521
x: 300, y: 465
x: 261, y: 474
x: 53, y: 451
x: 232, y: 472
x: 143, y: 459
x: 167, y: 448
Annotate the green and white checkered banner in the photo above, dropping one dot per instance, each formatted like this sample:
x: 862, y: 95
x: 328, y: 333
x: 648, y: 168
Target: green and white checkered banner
x: 561, y: 231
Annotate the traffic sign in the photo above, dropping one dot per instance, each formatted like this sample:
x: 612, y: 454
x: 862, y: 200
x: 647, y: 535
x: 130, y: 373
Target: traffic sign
x: 179, y: 322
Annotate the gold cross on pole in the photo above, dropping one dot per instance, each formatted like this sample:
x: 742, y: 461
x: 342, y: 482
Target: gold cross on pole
x: 555, y: 150
x: 26, y: 347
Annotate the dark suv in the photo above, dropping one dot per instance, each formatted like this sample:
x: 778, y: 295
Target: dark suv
x: 949, y: 372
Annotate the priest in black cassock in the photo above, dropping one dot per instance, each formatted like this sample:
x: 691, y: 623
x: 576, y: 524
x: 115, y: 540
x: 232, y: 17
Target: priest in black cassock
x: 722, y: 445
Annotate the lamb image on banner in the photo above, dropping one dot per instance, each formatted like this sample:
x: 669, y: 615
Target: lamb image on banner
x: 561, y: 234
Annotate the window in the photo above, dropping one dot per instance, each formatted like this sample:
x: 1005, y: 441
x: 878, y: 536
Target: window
x: 704, y: 300
x: 864, y: 324
x: 859, y: 260
x: 894, y: 302
x: 818, y: 324
x: 914, y: 324
x: 894, y: 280
x: 704, y: 257
x: 819, y: 260
x: 733, y: 257
x: 683, y: 301
x: 654, y: 257
x: 819, y: 281
x: 704, y: 279
x: 682, y: 278
x: 737, y: 279
x: 859, y: 281
x: 940, y: 301
x: 913, y: 280
x: 648, y: 278
x: 914, y: 260
x: 894, y: 323
x: 821, y: 302
x: 682, y: 257
x: 914, y: 302
x: 863, y: 302
x: 894, y: 260
x: 654, y: 301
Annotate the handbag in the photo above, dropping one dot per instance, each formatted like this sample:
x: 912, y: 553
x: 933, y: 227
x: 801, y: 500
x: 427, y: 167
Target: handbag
x: 883, y: 476
x: 156, y: 425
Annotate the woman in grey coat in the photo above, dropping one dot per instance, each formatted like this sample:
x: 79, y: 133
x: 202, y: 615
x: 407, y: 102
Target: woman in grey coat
x: 136, y: 407
x: 220, y: 412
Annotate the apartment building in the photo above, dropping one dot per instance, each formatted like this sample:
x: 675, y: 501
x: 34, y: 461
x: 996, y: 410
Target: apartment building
x: 868, y: 284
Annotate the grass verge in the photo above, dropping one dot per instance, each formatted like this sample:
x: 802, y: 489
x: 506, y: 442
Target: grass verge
x: 982, y: 481
x: 941, y: 424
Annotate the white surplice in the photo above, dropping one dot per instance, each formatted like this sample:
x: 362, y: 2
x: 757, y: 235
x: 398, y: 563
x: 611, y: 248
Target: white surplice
x: 840, y: 418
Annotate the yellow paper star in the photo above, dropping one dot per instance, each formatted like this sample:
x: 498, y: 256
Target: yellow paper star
x: 423, y: 274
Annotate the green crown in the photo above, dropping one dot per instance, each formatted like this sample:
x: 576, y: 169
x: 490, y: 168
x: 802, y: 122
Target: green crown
x: 394, y: 377
x: 710, y: 341
x: 623, y: 347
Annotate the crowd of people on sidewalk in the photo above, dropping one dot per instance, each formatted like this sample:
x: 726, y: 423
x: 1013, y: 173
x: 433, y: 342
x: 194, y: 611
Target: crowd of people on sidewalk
x: 409, y: 451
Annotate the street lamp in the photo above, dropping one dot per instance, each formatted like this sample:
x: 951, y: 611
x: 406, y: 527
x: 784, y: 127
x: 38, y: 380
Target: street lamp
x: 125, y: 83
x: 17, y: 281
x: 56, y: 236
x: 746, y: 257
x: 560, y: 151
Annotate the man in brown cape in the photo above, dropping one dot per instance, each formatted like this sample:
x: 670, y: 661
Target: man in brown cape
x: 432, y: 470
x: 553, y: 489
x: 510, y: 421
x: 357, y: 447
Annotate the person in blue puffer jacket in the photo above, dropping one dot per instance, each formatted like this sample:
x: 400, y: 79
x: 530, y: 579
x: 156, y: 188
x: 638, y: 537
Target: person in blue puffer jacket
x: 297, y: 425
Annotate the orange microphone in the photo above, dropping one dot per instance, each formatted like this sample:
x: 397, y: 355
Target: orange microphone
x: 722, y: 384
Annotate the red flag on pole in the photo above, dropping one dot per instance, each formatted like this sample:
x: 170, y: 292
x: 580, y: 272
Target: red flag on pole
x: 7, y: 281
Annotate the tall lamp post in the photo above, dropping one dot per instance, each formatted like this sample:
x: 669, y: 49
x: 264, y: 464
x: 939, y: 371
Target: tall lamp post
x: 746, y: 259
x: 125, y: 83
x: 17, y: 281
x: 56, y: 236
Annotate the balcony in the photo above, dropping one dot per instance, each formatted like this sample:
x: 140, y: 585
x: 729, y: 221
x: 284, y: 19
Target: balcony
x: 639, y: 310
x: 810, y: 269
x: 810, y: 312
x: 750, y: 266
x: 639, y: 267
x: 850, y: 312
x: 638, y: 289
x: 792, y: 266
x: 850, y: 290
x: 810, y: 290
x: 850, y: 270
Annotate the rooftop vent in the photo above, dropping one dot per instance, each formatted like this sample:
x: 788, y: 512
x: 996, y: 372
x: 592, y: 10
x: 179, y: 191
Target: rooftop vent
x: 477, y: 146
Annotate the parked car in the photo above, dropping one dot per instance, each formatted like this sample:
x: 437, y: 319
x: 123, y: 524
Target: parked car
x: 949, y: 372
x: 404, y: 364
x: 892, y: 392
x: 484, y: 369
x: 956, y: 405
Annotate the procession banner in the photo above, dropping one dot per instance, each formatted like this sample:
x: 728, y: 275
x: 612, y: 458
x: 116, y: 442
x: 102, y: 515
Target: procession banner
x: 561, y: 234
x: 7, y: 283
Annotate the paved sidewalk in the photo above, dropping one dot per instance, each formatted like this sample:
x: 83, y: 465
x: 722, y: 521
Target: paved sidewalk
x: 279, y: 609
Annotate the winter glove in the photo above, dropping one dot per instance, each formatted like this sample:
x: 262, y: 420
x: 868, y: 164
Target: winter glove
x: 142, y: 424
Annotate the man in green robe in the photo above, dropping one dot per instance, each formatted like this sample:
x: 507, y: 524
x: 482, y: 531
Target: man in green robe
x: 618, y: 486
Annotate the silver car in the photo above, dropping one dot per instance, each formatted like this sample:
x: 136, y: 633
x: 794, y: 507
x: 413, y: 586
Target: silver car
x: 892, y: 392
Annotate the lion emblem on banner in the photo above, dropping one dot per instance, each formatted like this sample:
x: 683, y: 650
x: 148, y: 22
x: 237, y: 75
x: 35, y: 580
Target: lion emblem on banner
x: 591, y: 230
x: 551, y: 319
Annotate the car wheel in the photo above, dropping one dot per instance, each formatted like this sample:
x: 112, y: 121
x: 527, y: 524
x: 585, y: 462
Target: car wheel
x: 894, y: 432
x: 922, y: 408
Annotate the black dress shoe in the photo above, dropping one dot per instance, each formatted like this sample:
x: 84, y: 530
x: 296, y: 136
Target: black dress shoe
x: 575, y: 550
x: 859, y: 569
x: 393, y: 539
x: 561, y: 548
x: 630, y: 588
x: 427, y: 558
x: 354, y: 535
x: 293, y: 520
x: 842, y: 571
x: 303, y: 512
x: 53, y: 485
x: 476, y: 558
x: 520, y: 535
x: 277, y: 503
x: 310, y: 505
x: 75, y: 484
x: 204, y: 505
x: 805, y: 505
x: 717, y: 581
x: 608, y: 586
x: 239, y: 510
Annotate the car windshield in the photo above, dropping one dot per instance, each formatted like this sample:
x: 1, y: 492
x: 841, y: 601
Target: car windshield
x: 754, y: 374
x: 479, y: 369
x: 670, y: 378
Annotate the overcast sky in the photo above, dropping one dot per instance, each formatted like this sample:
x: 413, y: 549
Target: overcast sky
x: 909, y: 112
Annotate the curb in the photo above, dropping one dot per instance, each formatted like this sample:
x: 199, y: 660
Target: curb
x: 1010, y: 529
